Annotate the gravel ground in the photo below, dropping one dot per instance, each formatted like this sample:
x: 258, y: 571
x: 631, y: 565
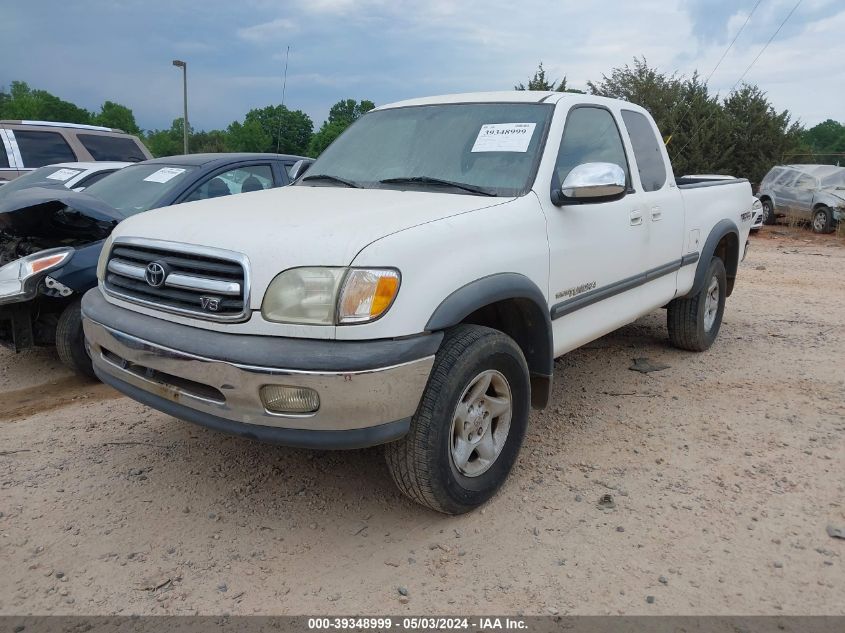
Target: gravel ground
x: 725, y: 471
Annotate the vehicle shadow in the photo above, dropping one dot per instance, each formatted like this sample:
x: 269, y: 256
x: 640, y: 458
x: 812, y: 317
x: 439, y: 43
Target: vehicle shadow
x: 223, y: 473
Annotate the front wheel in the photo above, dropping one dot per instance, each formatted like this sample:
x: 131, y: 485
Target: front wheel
x: 70, y: 341
x: 468, y: 429
x: 694, y: 322
x: 822, y: 220
x: 769, y: 216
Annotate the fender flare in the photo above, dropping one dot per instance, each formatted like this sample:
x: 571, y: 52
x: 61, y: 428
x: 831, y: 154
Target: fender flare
x: 722, y: 228
x: 536, y: 341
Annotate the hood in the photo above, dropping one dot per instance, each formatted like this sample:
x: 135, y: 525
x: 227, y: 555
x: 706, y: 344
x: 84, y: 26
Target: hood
x: 294, y: 226
x: 836, y: 192
x: 56, y: 213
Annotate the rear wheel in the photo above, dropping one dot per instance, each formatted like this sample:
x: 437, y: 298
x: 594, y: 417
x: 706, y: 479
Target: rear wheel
x: 467, y: 432
x: 769, y: 217
x: 70, y: 341
x: 694, y: 322
x: 822, y: 220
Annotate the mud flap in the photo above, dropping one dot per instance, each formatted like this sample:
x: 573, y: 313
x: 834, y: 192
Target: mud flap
x: 16, y: 327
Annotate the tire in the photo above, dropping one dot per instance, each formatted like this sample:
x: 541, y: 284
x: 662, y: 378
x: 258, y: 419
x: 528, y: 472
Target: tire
x: 691, y: 323
x: 423, y: 463
x: 822, y: 220
x: 70, y: 341
x: 769, y: 217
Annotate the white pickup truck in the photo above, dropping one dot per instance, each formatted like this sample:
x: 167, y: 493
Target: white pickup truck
x: 415, y: 286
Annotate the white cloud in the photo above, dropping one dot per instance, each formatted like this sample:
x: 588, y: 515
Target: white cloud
x: 268, y: 31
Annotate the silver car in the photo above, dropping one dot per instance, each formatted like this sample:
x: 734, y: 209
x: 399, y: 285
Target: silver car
x: 814, y: 193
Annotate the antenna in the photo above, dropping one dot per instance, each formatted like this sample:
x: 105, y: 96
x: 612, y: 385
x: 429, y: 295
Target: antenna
x: 282, y: 109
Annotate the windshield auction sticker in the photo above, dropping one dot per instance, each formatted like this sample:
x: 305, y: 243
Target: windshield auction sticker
x: 63, y: 174
x: 504, y: 137
x: 164, y: 174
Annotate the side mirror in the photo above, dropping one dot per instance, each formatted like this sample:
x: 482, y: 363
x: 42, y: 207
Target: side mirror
x: 591, y: 182
x: 299, y: 168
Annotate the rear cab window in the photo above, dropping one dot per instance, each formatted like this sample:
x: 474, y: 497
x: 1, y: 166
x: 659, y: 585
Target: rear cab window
x: 650, y: 163
x: 38, y: 149
x: 116, y: 148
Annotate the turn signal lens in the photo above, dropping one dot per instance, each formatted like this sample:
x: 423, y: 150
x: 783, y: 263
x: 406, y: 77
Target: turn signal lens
x: 367, y: 294
x: 291, y: 400
x: 47, y: 262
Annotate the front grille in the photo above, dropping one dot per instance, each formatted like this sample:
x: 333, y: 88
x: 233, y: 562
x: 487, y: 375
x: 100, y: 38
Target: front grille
x: 192, y: 281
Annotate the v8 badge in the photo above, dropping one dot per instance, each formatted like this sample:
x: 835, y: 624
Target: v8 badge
x: 210, y: 304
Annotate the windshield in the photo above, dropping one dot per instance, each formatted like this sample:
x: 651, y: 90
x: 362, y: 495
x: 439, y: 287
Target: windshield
x: 493, y: 148
x: 51, y: 175
x: 834, y: 180
x: 139, y: 188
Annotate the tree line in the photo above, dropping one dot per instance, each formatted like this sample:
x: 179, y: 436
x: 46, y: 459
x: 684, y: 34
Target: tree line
x: 740, y: 133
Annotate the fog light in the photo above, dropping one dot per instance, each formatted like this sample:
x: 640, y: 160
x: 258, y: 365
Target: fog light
x: 284, y: 399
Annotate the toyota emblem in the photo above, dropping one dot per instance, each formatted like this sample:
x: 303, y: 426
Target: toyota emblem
x: 155, y: 274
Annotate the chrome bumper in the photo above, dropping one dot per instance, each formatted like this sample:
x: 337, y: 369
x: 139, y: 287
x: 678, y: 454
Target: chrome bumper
x: 230, y: 391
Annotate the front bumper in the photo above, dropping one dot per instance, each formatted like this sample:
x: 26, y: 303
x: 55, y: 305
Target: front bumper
x: 368, y: 390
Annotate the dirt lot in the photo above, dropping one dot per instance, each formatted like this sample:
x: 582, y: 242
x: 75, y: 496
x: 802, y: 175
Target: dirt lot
x: 725, y: 469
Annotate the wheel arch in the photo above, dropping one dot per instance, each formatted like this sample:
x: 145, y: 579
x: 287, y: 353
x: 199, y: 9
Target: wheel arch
x: 514, y: 305
x: 723, y: 242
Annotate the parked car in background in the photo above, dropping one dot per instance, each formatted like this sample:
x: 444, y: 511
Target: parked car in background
x: 756, y: 205
x: 757, y: 210
x: 415, y: 286
x: 811, y: 193
x: 50, y: 238
x: 76, y: 176
x: 27, y: 145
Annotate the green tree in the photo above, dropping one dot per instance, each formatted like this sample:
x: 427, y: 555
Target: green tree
x: 248, y: 136
x: 210, y: 141
x: 166, y: 142
x: 22, y: 102
x: 741, y: 135
x: 341, y: 115
x: 117, y: 116
x: 825, y: 141
x: 760, y: 137
x: 540, y: 82
x: 272, y: 129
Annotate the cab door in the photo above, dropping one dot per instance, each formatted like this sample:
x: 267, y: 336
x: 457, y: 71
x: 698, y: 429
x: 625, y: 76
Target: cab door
x: 801, y: 197
x: 596, y: 249
x: 662, y: 208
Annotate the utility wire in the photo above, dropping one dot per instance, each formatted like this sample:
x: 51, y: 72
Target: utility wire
x: 742, y: 76
x: 282, y: 109
x: 733, y: 41
x: 719, y: 63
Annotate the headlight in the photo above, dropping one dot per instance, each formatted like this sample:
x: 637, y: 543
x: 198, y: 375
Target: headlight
x: 14, y: 274
x: 104, y: 258
x: 756, y: 206
x: 330, y: 296
x: 303, y: 295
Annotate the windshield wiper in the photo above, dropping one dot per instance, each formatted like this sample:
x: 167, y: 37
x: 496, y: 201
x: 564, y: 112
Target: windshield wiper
x: 428, y: 180
x: 331, y: 178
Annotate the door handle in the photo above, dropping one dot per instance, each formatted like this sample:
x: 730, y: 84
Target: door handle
x: 636, y: 218
x: 656, y: 214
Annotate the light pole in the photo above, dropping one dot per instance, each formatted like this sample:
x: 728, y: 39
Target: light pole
x: 184, y: 66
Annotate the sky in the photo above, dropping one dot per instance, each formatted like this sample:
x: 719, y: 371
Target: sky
x: 87, y: 51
